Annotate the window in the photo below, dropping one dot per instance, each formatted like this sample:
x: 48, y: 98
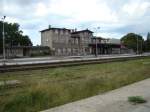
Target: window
x: 76, y: 41
x: 66, y: 32
x: 58, y: 51
x: 56, y: 31
x: 69, y: 50
x: 61, y: 32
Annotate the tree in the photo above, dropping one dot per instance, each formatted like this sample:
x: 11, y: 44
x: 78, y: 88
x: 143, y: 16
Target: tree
x: 13, y: 36
x: 131, y: 41
x: 147, y: 42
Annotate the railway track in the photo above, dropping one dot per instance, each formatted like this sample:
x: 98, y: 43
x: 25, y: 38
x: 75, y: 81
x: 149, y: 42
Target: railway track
x: 10, y: 68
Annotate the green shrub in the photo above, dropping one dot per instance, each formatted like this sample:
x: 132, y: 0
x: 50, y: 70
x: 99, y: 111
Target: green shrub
x: 136, y: 99
x: 27, y: 102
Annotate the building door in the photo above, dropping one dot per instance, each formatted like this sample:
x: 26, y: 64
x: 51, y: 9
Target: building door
x: 25, y: 52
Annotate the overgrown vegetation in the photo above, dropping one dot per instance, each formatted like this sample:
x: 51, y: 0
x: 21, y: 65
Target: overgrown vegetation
x: 136, y: 99
x: 13, y: 36
x: 46, y: 88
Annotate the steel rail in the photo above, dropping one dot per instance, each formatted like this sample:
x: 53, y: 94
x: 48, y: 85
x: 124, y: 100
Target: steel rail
x: 11, y: 68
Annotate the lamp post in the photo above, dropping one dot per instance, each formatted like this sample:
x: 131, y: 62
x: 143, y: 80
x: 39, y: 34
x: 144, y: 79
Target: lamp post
x: 95, y: 47
x: 137, y: 50
x: 96, y: 53
x: 141, y: 47
x: 4, y: 55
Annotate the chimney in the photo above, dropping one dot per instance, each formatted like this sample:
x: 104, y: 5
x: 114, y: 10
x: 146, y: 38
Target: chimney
x: 49, y: 26
x: 75, y: 29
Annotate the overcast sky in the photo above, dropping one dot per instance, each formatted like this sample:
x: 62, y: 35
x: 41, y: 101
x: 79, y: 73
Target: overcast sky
x: 114, y: 17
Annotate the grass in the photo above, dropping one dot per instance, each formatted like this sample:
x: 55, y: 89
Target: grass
x: 46, y: 88
x: 136, y: 99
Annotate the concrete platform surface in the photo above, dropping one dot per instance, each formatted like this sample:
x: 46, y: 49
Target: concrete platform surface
x: 24, y: 61
x: 113, y: 101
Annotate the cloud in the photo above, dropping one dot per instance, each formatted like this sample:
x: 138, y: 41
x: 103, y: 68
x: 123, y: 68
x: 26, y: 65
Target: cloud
x: 136, y: 9
x: 115, y: 17
x: 41, y: 9
x: 83, y: 10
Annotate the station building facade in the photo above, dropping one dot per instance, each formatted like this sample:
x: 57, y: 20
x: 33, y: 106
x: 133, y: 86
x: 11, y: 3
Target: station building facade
x: 65, y: 42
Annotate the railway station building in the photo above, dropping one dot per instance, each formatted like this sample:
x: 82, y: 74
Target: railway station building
x: 68, y: 42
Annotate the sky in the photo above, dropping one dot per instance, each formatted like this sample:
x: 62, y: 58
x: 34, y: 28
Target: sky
x: 115, y: 18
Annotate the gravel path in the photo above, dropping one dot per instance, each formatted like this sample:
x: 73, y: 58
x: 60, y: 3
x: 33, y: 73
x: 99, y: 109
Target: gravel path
x: 113, y: 101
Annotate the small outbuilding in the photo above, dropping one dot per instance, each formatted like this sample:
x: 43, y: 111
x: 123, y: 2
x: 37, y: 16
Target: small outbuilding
x: 27, y: 51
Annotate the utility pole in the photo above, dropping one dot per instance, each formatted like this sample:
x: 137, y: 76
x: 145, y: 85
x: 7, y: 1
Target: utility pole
x: 4, y: 55
x: 137, y: 44
x: 95, y: 47
x: 141, y: 48
x: 96, y: 51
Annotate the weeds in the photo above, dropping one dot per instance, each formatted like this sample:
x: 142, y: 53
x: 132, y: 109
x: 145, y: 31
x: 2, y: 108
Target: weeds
x: 136, y: 99
x: 46, y: 88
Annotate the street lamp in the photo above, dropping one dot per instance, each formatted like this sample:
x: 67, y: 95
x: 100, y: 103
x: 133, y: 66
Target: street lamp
x: 4, y: 55
x: 141, y: 46
x: 96, y: 53
x: 137, y: 50
x: 95, y: 47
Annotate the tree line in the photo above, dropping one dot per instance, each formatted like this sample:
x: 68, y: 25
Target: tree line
x: 13, y: 36
x: 136, y: 42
